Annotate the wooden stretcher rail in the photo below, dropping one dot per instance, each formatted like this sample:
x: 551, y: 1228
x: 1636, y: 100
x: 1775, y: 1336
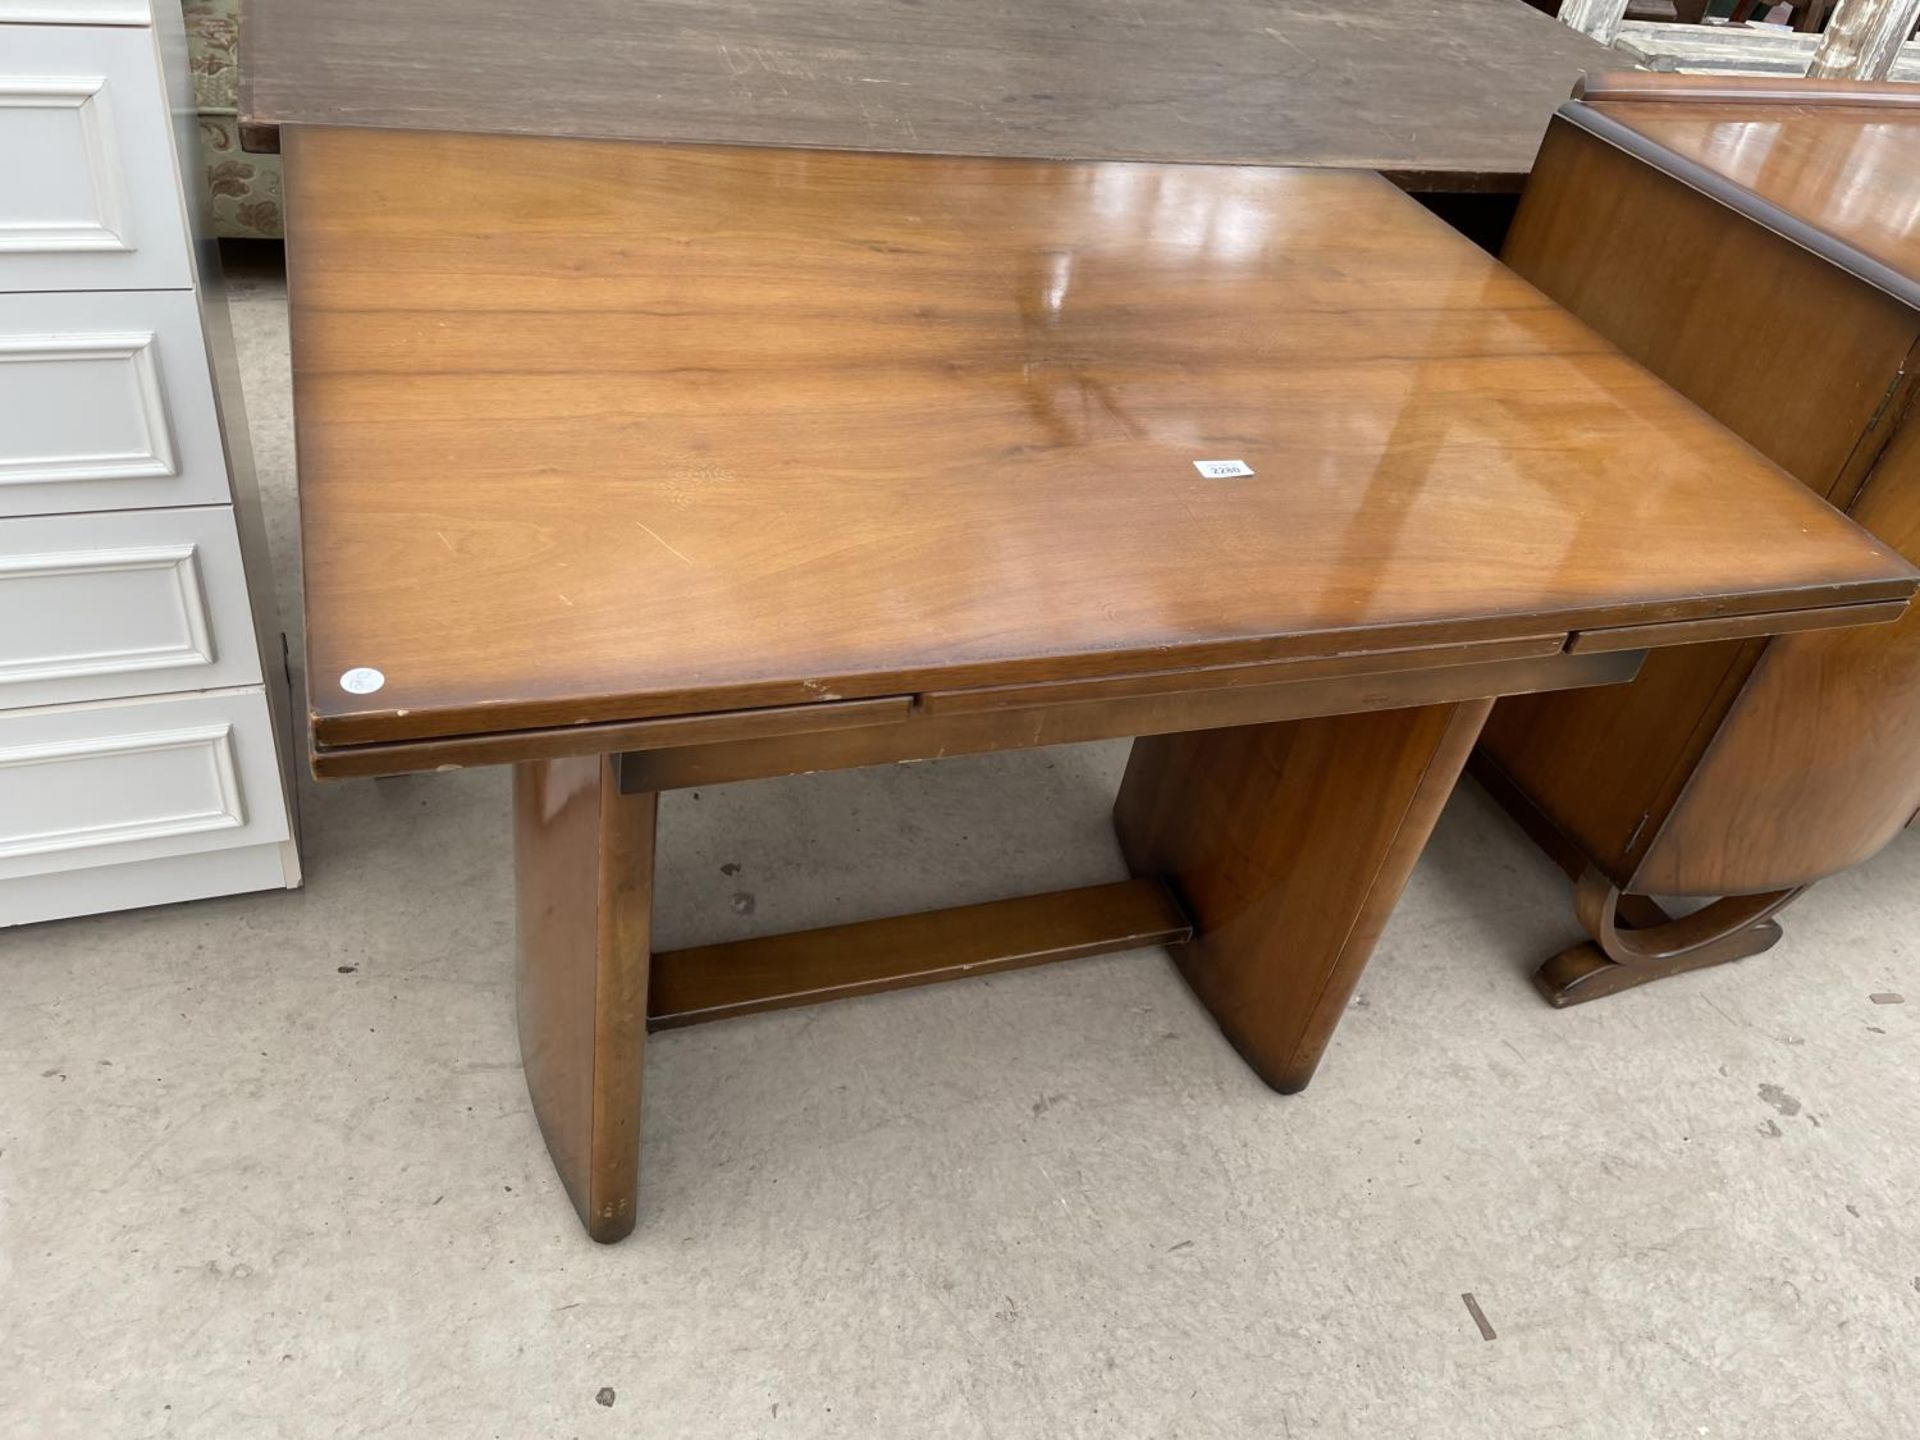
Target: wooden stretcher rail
x: 773, y: 972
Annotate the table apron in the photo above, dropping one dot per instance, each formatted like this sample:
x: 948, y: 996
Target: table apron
x: 932, y: 736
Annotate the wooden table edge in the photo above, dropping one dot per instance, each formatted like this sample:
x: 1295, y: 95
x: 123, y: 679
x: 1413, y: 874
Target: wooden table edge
x: 1449, y: 642
x: 886, y: 729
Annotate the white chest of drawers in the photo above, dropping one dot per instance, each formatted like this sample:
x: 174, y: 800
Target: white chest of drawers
x: 143, y: 700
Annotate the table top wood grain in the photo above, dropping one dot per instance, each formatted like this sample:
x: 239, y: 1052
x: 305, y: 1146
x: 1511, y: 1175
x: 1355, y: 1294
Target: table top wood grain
x: 593, y: 432
x: 1448, y: 97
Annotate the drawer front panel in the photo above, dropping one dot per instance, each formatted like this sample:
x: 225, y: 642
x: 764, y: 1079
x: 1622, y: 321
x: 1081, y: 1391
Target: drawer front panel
x: 108, y: 784
x: 89, y: 197
x: 96, y: 607
x: 106, y: 402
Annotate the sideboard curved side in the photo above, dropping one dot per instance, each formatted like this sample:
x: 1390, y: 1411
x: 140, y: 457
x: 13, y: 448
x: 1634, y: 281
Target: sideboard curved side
x: 1756, y: 253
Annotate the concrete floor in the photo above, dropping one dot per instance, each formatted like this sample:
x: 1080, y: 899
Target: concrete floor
x: 267, y: 1166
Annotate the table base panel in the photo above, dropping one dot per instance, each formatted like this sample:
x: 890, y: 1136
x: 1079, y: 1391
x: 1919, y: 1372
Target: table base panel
x: 1288, y: 845
x: 583, y: 853
x: 1267, y: 857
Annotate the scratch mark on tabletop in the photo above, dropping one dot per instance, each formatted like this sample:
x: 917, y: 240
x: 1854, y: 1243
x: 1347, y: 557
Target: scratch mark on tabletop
x: 669, y: 549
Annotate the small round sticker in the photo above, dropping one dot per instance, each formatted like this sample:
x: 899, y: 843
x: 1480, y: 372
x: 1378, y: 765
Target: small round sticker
x: 362, y: 680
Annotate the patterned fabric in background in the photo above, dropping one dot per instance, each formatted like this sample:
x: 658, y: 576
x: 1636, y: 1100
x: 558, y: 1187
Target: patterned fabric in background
x: 244, y: 189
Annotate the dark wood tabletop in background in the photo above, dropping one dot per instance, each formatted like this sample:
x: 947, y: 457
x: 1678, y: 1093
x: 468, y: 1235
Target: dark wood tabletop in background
x: 1444, y: 97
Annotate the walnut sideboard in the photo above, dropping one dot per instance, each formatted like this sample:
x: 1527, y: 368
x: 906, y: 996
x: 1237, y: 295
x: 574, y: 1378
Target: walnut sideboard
x: 1756, y: 244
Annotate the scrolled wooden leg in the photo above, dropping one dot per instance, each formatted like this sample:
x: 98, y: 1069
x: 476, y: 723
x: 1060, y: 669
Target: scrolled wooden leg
x: 583, y: 853
x: 1634, y: 941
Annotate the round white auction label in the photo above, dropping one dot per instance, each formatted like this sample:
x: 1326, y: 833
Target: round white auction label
x: 362, y: 680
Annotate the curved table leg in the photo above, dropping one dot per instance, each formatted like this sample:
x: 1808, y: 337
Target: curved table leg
x: 583, y: 853
x: 1634, y: 941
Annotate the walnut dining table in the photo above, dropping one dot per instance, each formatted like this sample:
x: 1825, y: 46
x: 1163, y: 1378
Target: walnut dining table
x: 637, y: 467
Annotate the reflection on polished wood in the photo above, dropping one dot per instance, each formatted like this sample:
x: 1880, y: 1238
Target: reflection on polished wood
x: 1717, y: 230
x: 1668, y: 274
x: 747, y: 463
x: 1847, y: 170
x: 594, y: 432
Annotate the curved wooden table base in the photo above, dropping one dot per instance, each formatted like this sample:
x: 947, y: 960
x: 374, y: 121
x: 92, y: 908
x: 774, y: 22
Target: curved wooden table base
x: 1634, y: 941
